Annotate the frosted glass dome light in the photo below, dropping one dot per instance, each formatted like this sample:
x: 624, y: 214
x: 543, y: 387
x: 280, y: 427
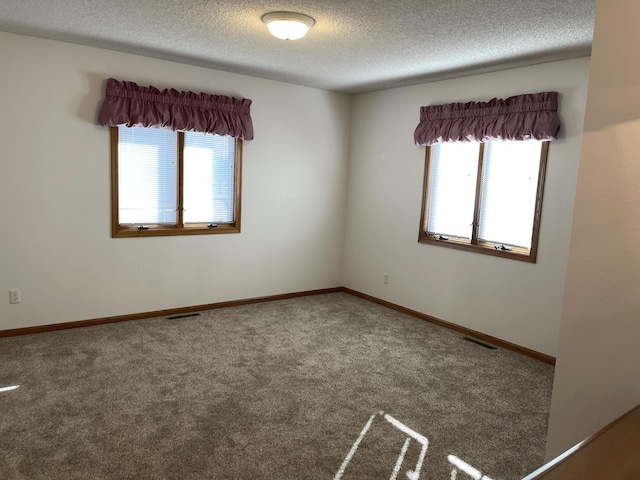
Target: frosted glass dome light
x: 288, y: 25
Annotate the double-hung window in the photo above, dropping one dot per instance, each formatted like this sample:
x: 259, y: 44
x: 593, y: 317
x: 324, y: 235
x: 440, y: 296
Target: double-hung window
x: 484, y: 196
x: 174, y: 183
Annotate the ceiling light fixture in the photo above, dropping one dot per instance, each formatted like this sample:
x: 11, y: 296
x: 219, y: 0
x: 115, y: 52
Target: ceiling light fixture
x: 288, y: 25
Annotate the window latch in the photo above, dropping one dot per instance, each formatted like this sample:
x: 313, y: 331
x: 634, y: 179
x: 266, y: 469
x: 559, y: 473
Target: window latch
x: 502, y: 247
x: 212, y: 225
x: 143, y: 227
x: 440, y: 237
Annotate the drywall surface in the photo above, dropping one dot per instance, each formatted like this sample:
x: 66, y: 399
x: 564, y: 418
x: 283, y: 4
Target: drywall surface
x: 515, y: 301
x: 598, y: 370
x: 55, y: 242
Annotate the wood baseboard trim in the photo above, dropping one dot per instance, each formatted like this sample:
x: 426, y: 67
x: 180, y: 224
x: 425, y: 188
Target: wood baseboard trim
x: 284, y: 296
x: 457, y: 328
x: 161, y: 313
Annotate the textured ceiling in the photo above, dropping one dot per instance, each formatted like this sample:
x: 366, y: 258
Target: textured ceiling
x: 355, y: 46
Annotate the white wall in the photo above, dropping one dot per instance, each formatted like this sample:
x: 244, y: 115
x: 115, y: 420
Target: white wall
x: 55, y: 240
x: 515, y: 301
x: 598, y: 370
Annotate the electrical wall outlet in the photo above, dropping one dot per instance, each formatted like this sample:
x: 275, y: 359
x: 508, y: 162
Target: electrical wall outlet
x: 14, y: 295
x: 386, y: 278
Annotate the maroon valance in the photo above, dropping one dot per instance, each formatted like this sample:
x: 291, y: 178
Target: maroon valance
x: 523, y: 117
x: 128, y: 104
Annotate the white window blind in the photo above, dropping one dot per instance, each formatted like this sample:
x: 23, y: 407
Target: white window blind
x: 509, y: 186
x: 453, y: 188
x: 147, y: 176
x: 208, y: 178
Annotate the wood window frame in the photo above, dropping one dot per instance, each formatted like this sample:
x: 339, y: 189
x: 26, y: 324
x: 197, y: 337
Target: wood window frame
x: 133, y: 231
x: 474, y: 244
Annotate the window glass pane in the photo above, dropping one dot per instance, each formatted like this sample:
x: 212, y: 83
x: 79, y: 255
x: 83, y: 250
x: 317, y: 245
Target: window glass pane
x: 147, y: 176
x: 208, y: 178
x: 454, y: 171
x: 509, y: 188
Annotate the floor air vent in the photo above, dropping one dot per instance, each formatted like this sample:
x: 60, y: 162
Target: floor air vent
x: 480, y: 342
x: 184, y: 315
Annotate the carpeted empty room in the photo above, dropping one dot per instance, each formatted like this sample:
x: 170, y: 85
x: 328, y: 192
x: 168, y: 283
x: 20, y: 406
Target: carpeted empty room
x: 320, y: 387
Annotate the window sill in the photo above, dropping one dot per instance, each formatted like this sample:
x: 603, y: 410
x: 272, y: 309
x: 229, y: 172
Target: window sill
x: 121, y: 231
x: 485, y: 248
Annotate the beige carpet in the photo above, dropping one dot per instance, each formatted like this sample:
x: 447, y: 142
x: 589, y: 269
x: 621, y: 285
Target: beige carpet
x: 321, y: 387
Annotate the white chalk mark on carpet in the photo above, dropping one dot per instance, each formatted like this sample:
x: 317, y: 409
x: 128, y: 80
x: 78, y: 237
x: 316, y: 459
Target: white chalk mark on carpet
x: 8, y: 389
x: 461, y: 465
x: 353, y: 450
x: 411, y: 474
x: 396, y: 469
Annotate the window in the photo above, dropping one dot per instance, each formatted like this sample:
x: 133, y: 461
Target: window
x: 484, y: 197
x: 174, y: 183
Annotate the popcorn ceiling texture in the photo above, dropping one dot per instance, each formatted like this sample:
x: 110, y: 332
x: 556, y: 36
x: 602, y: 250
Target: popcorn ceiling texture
x: 355, y: 46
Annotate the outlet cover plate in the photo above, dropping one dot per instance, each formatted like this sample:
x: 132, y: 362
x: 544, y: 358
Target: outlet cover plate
x: 14, y: 295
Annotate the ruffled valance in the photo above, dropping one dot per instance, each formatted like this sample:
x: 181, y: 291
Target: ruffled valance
x: 523, y: 117
x: 128, y: 104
